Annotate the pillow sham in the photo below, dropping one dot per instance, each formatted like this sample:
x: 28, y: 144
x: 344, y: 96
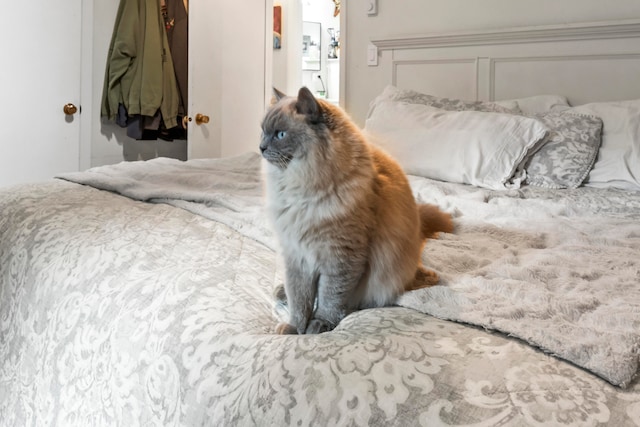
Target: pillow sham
x: 469, y: 147
x: 392, y: 93
x: 567, y: 154
x: 618, y: 162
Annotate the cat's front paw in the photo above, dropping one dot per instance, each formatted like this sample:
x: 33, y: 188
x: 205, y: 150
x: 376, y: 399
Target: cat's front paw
x: 286, y: 329
x: 318, y: 326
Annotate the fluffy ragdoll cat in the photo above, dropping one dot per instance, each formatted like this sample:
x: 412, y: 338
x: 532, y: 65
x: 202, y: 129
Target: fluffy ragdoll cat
x: 349, y: 228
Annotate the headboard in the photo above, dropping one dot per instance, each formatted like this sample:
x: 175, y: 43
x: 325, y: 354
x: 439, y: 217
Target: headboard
x: 586, y: 62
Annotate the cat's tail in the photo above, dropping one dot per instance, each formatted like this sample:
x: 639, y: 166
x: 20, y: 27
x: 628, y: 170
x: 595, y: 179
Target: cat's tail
x: 423, y: 279
x: 433, y: 221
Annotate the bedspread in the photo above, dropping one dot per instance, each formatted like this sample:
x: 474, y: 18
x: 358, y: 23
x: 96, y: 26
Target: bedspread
x: 120, y: 312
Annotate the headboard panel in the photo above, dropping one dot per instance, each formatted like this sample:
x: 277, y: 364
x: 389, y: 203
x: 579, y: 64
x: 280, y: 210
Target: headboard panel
x: 585, y: 62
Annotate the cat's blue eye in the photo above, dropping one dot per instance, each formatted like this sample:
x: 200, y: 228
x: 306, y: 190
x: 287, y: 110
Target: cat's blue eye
x: 281, y: 134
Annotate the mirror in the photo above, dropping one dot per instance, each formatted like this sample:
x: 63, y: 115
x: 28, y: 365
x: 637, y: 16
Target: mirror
x: 311, y: 46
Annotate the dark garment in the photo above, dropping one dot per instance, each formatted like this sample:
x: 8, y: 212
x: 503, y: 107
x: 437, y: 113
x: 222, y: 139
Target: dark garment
x: 147, y: 128
x: 144, y: 127
x: 177, y: 26
x: 122, y: 118
x: 138, y: 126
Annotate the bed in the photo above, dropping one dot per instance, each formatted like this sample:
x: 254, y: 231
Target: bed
x: 141, y: 293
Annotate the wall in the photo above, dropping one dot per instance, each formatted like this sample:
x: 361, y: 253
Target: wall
x: 412, y: 17
x: 286, y: 61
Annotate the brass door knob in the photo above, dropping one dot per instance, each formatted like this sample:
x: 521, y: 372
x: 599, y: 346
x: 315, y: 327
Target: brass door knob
x: 70, y: 109
x: 201, y: 119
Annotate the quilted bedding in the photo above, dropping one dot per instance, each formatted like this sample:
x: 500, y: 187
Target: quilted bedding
x: 115, y: 311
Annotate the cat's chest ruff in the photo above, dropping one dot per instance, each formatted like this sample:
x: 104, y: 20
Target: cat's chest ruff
x: 300, y: 212
x: 299, y: 217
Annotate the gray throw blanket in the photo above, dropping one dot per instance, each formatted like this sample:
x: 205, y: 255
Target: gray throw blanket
x: 227, y: 190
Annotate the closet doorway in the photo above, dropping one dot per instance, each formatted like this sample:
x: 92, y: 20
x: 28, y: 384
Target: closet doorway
x: 307, y: 51
x: 226, y: 78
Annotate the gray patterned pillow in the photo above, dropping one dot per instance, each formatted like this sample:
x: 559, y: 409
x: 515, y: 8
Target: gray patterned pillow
x: 568, y: 152
x: 392, y: 93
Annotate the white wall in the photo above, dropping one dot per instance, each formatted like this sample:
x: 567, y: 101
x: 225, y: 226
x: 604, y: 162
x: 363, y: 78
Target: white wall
x: 287, y: 76
x: 411, y: 17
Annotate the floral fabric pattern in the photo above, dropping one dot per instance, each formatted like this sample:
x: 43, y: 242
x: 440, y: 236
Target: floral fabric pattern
x: 568, y: 152
x: 117, y: 312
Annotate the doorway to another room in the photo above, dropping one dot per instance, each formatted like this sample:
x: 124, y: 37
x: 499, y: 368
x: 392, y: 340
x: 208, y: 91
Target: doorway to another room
x: 307, y: 48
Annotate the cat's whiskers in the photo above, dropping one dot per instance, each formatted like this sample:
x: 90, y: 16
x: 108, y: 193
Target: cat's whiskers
x: 283, y: 161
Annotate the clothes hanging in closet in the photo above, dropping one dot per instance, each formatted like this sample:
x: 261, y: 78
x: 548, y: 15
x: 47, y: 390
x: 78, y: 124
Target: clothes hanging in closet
x: 140, y: 76
x: 176, y: 16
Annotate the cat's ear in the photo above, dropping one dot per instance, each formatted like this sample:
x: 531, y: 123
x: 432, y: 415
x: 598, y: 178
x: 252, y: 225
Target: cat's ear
x: 279, y: 95
x: 308, y: 105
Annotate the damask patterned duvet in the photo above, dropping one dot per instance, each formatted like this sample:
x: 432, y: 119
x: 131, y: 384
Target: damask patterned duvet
x: 118, y: 312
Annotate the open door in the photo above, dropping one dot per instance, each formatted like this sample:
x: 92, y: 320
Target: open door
x: 227, y: 65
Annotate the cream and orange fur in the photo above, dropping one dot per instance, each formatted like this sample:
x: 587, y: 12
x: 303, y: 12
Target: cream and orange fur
x: 348, y: 226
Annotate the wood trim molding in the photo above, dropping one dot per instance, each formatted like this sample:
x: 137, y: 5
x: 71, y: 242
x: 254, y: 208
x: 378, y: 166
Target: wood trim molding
x: 550, y: 58
x: 548, y: 33
x: 471, y: 60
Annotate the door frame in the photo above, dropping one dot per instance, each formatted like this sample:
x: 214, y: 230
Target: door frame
x: 268, y: 53
x: 87, y: 85
x: 342, y: 60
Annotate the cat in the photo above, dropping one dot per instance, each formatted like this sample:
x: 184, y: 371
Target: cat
x: 350, y: 231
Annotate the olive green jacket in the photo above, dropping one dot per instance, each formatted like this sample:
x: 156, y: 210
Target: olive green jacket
x: 140, y: 72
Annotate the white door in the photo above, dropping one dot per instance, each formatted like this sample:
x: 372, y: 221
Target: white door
x: 227, y: 64
x: 40, y: 74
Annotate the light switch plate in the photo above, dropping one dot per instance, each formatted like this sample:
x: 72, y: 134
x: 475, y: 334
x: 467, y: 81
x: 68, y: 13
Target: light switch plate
x: 372, y: 55
x: 372, y: 7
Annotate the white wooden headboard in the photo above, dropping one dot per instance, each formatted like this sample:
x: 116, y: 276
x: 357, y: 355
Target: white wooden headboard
x: 585, y: 62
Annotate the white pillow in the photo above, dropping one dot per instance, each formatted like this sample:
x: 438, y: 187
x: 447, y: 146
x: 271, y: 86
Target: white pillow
x: 536, y: 104
x: 469, y: 147
x: 618, y: 161
x: 392, y: 93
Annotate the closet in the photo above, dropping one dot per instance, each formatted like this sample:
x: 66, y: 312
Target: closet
x: 225, y: 97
